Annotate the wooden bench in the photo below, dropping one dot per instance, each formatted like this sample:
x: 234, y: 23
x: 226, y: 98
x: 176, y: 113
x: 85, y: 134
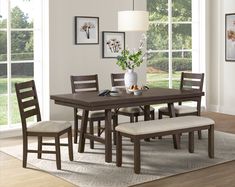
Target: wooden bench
x: 163, y: 127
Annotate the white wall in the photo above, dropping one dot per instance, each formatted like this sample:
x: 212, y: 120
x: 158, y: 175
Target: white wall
x: 67, y: 59
x: 221, y: 87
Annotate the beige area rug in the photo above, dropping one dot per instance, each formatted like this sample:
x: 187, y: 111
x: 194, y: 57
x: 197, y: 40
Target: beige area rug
x: 158, y: 157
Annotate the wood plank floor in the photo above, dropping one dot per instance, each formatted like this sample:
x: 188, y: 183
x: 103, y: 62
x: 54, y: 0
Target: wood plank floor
x: 12, y: 174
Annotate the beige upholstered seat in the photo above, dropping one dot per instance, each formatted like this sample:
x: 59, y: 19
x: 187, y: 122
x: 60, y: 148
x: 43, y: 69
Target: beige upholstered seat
x: 93, y: 114
x: 167, y: 124
x: 180, y: 109
x: 134, y: 109
x: 29, y: 107
x: 49, y: 126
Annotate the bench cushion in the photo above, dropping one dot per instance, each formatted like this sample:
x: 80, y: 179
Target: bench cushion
x: 49, y: 126
x: 163, y: 125
x: 180, y: 109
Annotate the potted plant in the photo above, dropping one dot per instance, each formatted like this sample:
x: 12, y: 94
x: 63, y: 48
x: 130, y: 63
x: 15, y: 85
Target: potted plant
x: 128, y: 60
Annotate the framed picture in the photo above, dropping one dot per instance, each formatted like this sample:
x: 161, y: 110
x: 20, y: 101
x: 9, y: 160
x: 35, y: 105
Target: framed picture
x: 113, y: 43
x: 230, y: 37
x: 86, y: 30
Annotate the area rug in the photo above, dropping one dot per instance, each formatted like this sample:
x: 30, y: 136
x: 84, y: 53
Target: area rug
x: 158, y: 160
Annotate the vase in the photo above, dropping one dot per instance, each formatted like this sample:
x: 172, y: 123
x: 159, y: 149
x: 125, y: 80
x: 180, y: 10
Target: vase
x: 130, y: 78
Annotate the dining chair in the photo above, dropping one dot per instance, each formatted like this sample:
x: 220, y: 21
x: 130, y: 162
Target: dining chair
x: 189, y: 81
x: 28, y: 106
x: 87, y: 83
x: 117, y: 80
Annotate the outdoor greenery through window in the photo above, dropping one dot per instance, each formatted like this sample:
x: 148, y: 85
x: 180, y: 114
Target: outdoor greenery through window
x: 16, y: 54
x: 169, y: 41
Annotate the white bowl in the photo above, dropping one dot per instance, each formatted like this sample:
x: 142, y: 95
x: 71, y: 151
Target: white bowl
x: 138, y: 92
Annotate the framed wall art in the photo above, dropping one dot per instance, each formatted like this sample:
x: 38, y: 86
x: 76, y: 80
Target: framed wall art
x: 230, y: 37
x: 86, y: 30
x: 112, y: 44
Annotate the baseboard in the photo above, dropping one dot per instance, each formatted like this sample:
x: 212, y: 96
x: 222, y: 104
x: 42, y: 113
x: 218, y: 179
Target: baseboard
x: 227, y: 110
x: 212, y: 108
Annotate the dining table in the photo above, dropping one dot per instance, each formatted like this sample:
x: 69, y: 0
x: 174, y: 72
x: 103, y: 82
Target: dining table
x: 91, y: 101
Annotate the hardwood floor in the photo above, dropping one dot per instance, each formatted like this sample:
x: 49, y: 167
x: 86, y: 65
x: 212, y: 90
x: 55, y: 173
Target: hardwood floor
x: 12, y: 173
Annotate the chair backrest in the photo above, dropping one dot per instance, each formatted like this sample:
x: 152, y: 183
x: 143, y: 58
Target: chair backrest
x: 28, y: 101
x: 191, y: 81
x: 85, y: 83
x: 117, y: 79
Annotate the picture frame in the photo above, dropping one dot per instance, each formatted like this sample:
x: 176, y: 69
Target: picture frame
x: 112, y: 43
x: 86, y: 30
x: 230, y: 37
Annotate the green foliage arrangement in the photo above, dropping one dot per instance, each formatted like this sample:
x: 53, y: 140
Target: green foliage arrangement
x: 131, y: 60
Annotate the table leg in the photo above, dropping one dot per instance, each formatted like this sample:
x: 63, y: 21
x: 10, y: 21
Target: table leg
x: 176, y: 137
x: 108, y: 136
x: 147, y: 117
x: 83, y: 130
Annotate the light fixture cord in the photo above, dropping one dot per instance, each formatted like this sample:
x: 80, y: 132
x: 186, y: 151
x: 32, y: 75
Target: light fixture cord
x: 133, y: 5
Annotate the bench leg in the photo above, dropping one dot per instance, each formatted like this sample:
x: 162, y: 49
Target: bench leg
x: 136, y: 156
x: 176, y: 141
x: 211, y: 141
x: 119, y: 149
x: 199, y: 135
x: 191, y: 142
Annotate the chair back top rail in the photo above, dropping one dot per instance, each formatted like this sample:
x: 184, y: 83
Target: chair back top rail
x: 84, y: 83
x: 117, y: 79
x: 192, y: 81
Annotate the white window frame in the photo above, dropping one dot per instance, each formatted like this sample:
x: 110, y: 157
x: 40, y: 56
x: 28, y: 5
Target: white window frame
x: 37, y: 61
x: 198, y: 62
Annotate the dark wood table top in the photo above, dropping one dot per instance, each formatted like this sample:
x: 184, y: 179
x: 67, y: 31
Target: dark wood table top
x: 91, y: 100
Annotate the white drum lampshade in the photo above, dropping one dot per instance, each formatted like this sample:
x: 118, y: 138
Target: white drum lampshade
x: 133, y: 20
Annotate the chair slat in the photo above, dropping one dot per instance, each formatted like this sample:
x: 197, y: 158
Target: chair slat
x: 119, y: 83
x: 118, y: 76
x: 191, y: 83
x: 29, y: 103
x: 85, y: 85
x: 27, y: 94
x: 30, y: 113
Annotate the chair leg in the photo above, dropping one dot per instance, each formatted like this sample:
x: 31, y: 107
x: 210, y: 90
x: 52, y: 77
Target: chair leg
x: 57, y: 149
x: 136, y: 155
x: 39, y: 147
x: 25, y: 150
x: 199, y: 134
x: 115, y: 123
x: 70, y: 144
x: 131, y: 119
x: 91, y: 132
x: 119, y: 150
x: 98, y: 129
x: 75, y: 126
x: 136, y: 118
x: 152, y: 114
x: 159, y: 114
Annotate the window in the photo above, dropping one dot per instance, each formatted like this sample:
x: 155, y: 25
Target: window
x: 172, y: 41
x: 17, y: 51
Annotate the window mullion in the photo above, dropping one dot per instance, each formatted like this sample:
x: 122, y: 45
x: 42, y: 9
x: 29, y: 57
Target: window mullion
x: 9, y: 112
x: 170, y: 42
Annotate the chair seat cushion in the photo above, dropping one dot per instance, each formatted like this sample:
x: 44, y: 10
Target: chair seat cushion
x: 163, y: 125
x: 133, y: 110
x: 49, y: 126
x: 180, y: 109
x: 93, y: 114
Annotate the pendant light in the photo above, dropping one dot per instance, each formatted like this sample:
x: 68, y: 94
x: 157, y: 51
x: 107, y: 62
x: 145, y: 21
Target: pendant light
x: 133, y: 20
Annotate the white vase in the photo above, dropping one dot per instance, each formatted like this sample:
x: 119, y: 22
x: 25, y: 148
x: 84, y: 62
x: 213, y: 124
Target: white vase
x: 130, y: 78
